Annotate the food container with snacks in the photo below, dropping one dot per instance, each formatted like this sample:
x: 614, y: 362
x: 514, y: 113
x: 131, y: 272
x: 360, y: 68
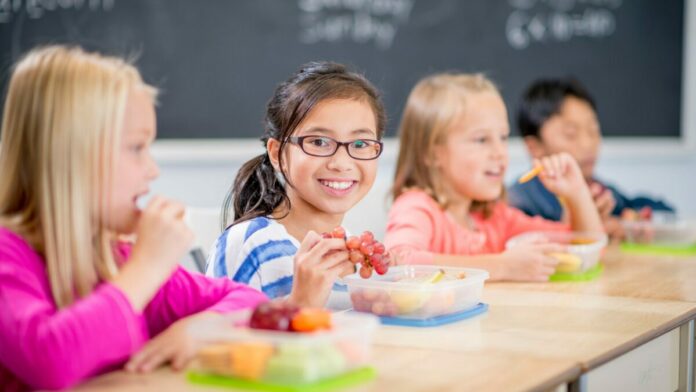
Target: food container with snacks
x: 267, y: 357
x: 665, y: 233
x: 417, y: 291
x: 581, y: 254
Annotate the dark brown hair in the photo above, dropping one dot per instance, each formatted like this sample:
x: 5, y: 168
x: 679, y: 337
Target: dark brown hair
x: 257, y: 190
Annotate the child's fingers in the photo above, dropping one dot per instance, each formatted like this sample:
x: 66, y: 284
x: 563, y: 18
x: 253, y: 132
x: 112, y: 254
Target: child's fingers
x: 180, y: 361
x: 311, y: 239
x: 549, y: 247
x: 173, y: 209
x: 547, y: 271
x: 558, y: 164
x: 342, y: 269
x: 326, y: 245
x: 550, y: 263
x: 151, y: 355
x: 334, y: 259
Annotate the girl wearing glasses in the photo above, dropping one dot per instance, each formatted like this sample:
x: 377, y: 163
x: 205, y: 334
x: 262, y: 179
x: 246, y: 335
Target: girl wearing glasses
x: 449, y: 185
x: 322, y: 137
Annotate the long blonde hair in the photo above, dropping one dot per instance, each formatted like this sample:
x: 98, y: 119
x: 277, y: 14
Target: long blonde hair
x: 60, y: 135
x: 433, y: 105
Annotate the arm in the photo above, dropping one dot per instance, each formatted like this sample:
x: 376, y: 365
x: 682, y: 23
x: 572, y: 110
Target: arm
x: 187, y: 293
x: 50, y: 349
x: 563, y: 177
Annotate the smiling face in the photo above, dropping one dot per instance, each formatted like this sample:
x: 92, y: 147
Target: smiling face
x: 472, y: 161
x: 134, y: 166
x: 334, y: 184
x: 575, y: 130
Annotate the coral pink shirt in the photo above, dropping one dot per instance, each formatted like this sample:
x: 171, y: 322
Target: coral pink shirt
x: 418, y: 228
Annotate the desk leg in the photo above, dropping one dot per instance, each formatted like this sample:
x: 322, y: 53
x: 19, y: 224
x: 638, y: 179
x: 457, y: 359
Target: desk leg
x: 686, y: 357
x: 579, y: 384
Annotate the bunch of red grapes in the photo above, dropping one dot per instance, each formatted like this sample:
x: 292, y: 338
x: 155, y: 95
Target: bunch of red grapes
x: 365, y: 250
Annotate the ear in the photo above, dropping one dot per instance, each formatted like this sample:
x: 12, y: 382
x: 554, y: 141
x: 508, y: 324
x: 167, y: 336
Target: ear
x: 273, y: 148
x: 535, y: 146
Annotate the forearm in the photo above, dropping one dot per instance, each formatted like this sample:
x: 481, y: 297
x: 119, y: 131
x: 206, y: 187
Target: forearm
x: 583, y: 212
x: 139, y: 282
x: 98, y: 331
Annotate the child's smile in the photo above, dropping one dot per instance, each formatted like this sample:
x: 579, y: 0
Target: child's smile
x: 335, y: 183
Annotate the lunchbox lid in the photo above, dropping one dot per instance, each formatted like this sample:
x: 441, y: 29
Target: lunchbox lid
x: 386, y: 281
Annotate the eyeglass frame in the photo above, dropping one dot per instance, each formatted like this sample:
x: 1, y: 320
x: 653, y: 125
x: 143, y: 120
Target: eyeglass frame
x: 298, y: 140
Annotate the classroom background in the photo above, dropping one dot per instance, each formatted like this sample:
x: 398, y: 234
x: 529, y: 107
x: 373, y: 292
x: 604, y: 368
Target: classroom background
x: 217, y: 63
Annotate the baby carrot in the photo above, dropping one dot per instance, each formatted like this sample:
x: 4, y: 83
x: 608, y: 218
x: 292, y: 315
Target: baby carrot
x: 531, y: 174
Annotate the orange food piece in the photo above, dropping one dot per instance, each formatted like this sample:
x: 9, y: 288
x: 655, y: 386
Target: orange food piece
x: 308, y: 320
x: 531, y: 174
x: 249, y: 359
x: 582, y: 241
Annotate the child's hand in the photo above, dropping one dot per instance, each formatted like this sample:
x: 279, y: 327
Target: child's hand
x: 614, y: 229
x: 162, y: 239
x: 162, y: 236
x: 177, y: 345
x: 318, y: 263
x: 561, y: 175
x: 603, y: 199
x: 529, y: 262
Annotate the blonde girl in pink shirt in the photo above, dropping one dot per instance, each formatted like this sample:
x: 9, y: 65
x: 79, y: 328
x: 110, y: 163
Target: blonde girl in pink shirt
x: 448, y: 189
x: 74, y: 300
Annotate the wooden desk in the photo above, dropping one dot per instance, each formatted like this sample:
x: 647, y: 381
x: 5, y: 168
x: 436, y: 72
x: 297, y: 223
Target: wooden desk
x: 534, y: 337
x: 399, y: 369
x: 630, y: 275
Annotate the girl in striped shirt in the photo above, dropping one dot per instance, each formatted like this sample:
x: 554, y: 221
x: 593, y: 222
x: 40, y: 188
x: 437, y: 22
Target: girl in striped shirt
x: 322, y: 137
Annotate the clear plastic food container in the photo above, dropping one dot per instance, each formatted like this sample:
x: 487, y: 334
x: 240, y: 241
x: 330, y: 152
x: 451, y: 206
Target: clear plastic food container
x: 582, y: 249
x: 675, y: 233
x: 273, y: 357
x: 417, y: 291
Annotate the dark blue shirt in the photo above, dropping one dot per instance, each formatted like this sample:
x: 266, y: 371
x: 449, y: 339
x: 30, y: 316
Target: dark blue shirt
x: 535, y: 200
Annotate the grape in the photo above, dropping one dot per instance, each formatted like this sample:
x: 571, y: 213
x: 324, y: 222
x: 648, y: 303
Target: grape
x: 339, y: 232
x: 367, y: 236
x: 367, y: 249
x: 362, y: 250
x: 275, y: 316
x: 381, y: 269
x: 353, y: 242
x: 355, y: 256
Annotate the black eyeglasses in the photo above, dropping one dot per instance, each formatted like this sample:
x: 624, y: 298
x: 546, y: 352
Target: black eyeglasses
x: 324, y: 146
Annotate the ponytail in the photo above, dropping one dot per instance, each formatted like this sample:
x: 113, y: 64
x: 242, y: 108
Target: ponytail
x: 256, y: 191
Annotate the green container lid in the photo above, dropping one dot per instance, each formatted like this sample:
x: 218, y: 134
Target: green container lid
x: 344, y: 380
x: 590, y: 274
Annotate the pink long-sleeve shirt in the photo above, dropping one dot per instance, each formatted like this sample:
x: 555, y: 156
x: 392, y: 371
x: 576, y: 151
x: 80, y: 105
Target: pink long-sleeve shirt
x: 42, y: 347
x: 418, y: 228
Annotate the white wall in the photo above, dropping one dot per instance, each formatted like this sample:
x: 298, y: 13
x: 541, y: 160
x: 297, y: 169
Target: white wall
x: 200, y: 172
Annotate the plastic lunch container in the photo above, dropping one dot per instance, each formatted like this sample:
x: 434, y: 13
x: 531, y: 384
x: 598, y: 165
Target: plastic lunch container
x: 583, y: 249
x: 274, y: 357
x: 408, y: 291
x: 670, y: 233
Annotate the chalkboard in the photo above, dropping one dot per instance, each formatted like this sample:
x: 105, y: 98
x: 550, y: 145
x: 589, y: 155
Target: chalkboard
x: 218, y: 61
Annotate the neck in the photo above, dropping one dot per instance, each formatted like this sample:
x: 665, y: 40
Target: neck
x: 459, y: 207
x: 303, y: 217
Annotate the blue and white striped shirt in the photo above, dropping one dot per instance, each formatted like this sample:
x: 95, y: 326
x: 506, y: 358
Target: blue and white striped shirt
x: 260, y: 253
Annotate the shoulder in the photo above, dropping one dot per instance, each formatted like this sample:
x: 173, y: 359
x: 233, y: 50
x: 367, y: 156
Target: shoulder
x: 415, y: 199
x: 14, y: 245
x: 17, y: 255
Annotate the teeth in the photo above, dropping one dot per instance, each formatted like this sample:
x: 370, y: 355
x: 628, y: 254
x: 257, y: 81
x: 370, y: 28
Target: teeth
x: 337, y: 185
